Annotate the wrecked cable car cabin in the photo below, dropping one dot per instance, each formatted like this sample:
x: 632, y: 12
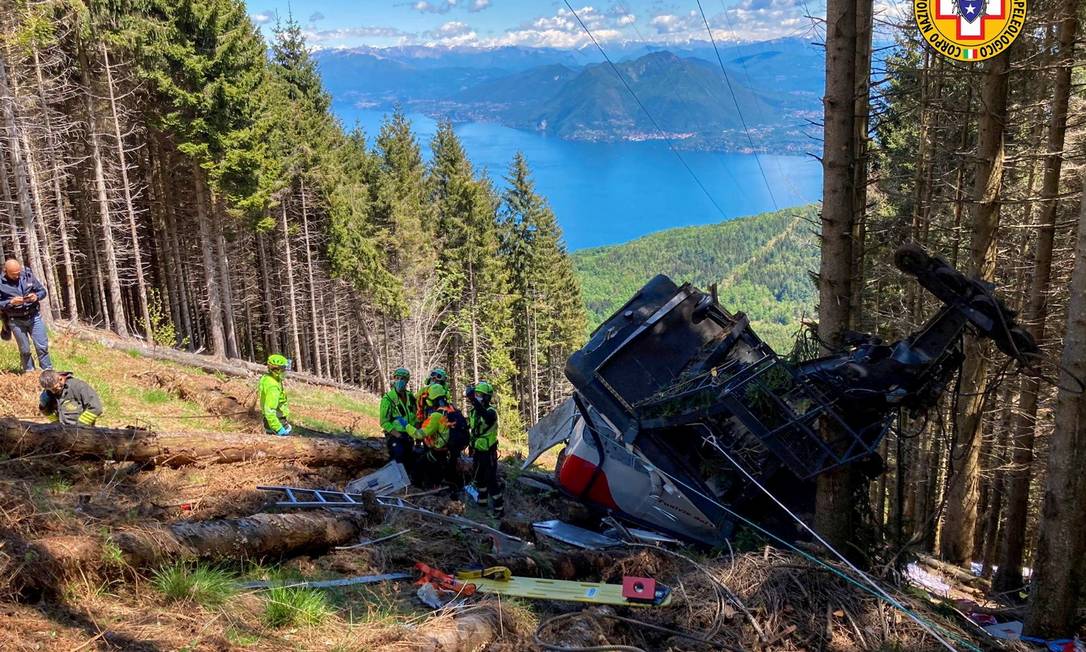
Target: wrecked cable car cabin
x: 684, y: 421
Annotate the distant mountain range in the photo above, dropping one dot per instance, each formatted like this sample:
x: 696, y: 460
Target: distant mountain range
x: 573, y: 94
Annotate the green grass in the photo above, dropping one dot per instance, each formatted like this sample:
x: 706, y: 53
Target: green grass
x: 112, y: 554
x: 58, y: 484
x: 204, y: 585
x: 373, y: 605
x: 240, y: 637
x: 317, y: 425
x: 309, y: 398
x: 285, y: 607
x: 156, y: 396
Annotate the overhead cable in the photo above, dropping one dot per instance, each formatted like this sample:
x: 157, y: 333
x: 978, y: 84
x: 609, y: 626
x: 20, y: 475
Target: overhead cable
x: 735, y: 101
x: 667, y: 139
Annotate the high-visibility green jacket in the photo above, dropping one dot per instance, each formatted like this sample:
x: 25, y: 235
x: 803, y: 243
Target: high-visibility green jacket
x: 483, y: 427
x: 273, y: 402
x: 393, y: 407
x: 435, y: 429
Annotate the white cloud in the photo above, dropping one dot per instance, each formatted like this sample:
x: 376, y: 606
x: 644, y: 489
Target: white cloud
x: 451, y: 33
x: 435, y: 7
x: 262, y: 18
x: 351, y: 35
x: 316, y: 16
x: 746, y: 21
x: 445, y: 6
x: 668, y: 23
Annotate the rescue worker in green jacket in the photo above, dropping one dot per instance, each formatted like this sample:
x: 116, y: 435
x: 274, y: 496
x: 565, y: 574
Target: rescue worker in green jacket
x: 483, y: 442
x: 398, y: 418
x: 273, y: 398
x: 443, y: 434
x: 68, y: 400
x: 437, y: 376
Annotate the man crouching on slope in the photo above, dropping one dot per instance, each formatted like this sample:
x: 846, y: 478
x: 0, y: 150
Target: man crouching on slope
x: 68, y: 400
x: 273, y: 398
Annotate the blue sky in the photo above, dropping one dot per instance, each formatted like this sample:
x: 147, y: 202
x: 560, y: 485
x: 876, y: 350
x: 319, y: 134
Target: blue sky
x: 536, y: 23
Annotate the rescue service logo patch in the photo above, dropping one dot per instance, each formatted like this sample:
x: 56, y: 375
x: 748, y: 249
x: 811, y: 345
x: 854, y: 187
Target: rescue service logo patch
x: 969, y: 30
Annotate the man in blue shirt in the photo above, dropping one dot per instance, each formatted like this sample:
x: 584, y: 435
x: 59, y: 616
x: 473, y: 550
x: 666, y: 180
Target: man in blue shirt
x: 20, y: 302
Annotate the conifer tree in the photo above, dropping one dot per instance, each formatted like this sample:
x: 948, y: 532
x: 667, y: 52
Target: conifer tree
x: 546, y: 322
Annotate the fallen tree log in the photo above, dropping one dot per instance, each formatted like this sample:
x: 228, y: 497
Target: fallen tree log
x: 468, y: 631
x: 251, y: 537
x: 958, y: 574
x: 181, y: 448
x: 44, y: 564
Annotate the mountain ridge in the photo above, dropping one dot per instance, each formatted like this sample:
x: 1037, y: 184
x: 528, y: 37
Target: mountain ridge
x: 574, y: 96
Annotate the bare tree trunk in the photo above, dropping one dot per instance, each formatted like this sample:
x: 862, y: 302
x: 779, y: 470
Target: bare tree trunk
x: 318, y: 364
x: 352, y: 373
x: 59, y: 198
x: 379, y: 360
x: 337, y: 333
x: 96, y: 274
x: 214, y: 298
x: 861, y: 108
x: 164, y: 257
x: 174, y: 248
x: 835, y: 508
x: 108, y: 249
x: 224, y: 276
x: 37, y: 238
x: 956, y: 544
x: 19, y: 170
x: 474, y: 294
x: 5, y: 194
x: 122, y: 163
x: 1009, y: 575
x: 295, y: 341
x: 271, y: 340
x: 1057, y: 580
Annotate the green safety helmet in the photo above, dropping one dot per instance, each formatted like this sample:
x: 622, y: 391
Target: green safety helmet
x: 436, y: 391
x: 483, y: 387
x: 276, y: 360
x: 439, y: 375
x: 402, y: 373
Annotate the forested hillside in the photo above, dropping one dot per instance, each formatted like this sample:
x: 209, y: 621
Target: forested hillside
x: 168, y: 175
x: 762, y: 266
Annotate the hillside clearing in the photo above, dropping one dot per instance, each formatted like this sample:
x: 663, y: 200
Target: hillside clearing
x: 80, y: 511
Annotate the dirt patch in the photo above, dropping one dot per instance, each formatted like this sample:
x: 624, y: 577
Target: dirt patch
x: 218, y: 397
x: 19, y: 395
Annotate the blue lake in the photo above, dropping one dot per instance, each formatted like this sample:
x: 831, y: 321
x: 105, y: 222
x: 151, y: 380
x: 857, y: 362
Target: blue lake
x: 605, y: 193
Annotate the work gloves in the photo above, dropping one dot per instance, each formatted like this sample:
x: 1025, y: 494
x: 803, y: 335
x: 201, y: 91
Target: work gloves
x: 285, y: 430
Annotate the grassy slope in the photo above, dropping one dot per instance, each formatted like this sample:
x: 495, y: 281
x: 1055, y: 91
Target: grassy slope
x: 184, y: 607
x: 157, y: 394
x: 760, y: 262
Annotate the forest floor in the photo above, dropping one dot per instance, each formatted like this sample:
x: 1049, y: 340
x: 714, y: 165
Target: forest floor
x: 783, y: 602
